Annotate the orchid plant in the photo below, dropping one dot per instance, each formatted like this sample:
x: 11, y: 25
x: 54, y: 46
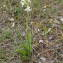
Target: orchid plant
x: 26, y: 46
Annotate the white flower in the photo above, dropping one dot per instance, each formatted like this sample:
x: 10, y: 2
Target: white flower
x: 25, y: 2
x: 28, y: 9
x: 29, y: 1
x: 22, y: 2
x: 49, y: 29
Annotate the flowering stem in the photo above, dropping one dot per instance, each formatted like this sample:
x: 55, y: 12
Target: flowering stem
x: 28, y: 33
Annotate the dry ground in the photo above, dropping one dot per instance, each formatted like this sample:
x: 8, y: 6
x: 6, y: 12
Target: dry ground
x: 47, y: 30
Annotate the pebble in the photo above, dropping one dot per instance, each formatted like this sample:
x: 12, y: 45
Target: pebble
x: 40, y: 62
x: 4, y: 5
x: 23, y: 33
x: 41, y: 41
x: 13, y: 24
x: 43, y: 59
x: 61, y: 19
x: 11, y: 19
x: 38, y: 30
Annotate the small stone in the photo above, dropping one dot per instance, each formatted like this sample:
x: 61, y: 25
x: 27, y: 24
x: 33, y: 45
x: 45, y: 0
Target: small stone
x: 50, y: 37
x: 11, y: 19
x: 40, y: 62
x: 61, y: 19
x: 41, y: 41
x: 38, y: 30
x: 1, y: 7
x: 13, y: 24
x: 4, y: 5
x: 44, y: 10
x: 23, y: 33
x: 43, y: 59
x: 45, y: 6
x: 56, y: 21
